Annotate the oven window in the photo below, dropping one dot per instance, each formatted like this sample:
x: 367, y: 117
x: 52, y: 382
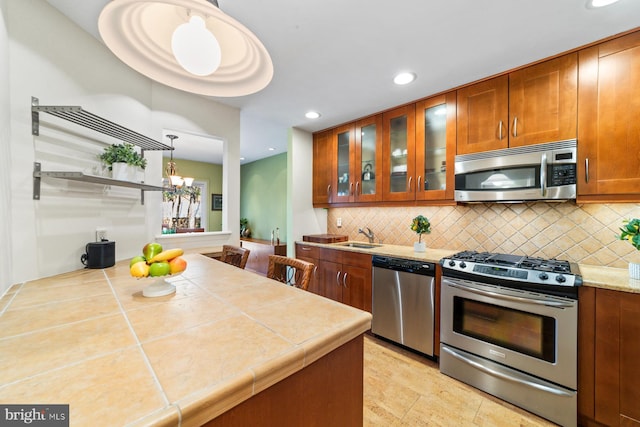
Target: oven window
x: 520, y: 331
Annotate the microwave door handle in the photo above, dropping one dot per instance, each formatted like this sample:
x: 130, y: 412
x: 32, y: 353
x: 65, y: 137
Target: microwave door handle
x: 543, y: 175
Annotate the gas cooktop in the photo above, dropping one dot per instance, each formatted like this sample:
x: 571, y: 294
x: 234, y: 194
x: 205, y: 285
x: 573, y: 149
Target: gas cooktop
x: 512, y: 270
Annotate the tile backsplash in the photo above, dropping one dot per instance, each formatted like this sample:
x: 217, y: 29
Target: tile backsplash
x: 578, y: 233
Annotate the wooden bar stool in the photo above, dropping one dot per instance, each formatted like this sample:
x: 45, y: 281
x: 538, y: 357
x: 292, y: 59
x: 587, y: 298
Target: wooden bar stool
x: 235, y: 255
x: 292, y: 271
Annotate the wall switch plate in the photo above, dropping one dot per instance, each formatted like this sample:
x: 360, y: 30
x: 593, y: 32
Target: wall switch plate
x: 101, y: 234
x: 339, y: 222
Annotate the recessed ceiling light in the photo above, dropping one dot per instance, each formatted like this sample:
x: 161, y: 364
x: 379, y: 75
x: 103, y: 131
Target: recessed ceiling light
x: 593, y: 4
x: 404, y: 78
x: 272, y: 149
x: 312, y: 115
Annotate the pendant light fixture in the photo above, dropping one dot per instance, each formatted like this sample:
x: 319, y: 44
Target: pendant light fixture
x: 172, y: 171
x: 190, y: 45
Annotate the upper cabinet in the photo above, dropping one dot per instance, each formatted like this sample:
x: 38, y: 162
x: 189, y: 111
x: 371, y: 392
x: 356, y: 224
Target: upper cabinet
x: 435, y: 147
x: 368, y: 133
x: 356, y: 161
x: 609, y: 130
x: 533, y: 105
x: 399, y: 153
x: 322, y: 151
x: 343, y: 176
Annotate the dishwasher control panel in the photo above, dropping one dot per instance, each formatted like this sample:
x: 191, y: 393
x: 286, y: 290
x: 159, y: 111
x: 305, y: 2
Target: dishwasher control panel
x: 401, y: 264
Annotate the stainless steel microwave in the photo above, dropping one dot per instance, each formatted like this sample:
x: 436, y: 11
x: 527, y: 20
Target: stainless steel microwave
x: 532, y: 172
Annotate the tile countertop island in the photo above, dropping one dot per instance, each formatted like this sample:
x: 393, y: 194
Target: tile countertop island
x: 91, y: 340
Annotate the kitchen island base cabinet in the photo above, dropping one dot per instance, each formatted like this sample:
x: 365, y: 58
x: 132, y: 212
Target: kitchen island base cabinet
x: 329, y: 392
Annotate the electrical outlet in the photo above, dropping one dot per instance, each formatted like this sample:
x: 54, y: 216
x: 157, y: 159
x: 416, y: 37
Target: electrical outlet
x: 339, y: 222
x: 101, y: 234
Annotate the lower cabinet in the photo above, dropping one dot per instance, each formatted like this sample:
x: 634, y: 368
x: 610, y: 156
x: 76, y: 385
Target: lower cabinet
x: 609, y: 352
x: 343, y: 276
x: 259, y: 251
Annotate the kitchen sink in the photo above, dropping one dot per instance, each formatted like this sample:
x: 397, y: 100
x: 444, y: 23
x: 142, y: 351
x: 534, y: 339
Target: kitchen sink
x: 360, y: 245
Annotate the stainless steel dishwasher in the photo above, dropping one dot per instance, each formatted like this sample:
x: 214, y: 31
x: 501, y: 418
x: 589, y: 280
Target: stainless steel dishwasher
x: 403, y: 302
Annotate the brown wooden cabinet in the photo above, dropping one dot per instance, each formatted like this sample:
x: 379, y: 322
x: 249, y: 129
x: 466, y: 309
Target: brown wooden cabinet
x: 435, y: 147
x: 609, y: 130
x: 609, y: 351
x: 311, y: 253
x: 398, y: 154
x: 260, y: 250
x: 322, y: 150
x: 346, y: 277
x: 533, y: 105
x: 355, y: 162
x: 342, y: 276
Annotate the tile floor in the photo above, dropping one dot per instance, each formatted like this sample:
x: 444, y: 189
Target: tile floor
x: 405, y: 389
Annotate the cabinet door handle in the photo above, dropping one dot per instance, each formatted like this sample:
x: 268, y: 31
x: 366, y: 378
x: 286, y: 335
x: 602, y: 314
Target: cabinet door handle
x: 351, y: 188
x: 329, y: 192
x: 305, y: 248
x: 357, y: 187
x: 500, y: 130
x: 409, y: 184
x: 344, y: 280
x: 338, y: 278
x: 586, y: 169
x: 419, y: 187
x: 515, y: 126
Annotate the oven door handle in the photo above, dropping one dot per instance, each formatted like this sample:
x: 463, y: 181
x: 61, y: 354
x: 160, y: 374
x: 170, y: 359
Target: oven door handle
x: 528, y: 300
x: 506, y: 376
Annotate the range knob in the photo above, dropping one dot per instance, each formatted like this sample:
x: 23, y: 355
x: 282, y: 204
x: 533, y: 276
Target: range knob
x: 543, y: 276
x: 560, y: 278
x: 463, y: 264
x: 452, y: 263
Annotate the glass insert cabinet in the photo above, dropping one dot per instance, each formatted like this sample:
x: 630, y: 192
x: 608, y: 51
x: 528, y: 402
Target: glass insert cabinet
x: 418, y: 144
x: 404, y: 154
x: 358, y: 154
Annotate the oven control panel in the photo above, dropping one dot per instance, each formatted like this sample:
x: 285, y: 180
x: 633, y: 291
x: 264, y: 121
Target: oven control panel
x: 509, y: 273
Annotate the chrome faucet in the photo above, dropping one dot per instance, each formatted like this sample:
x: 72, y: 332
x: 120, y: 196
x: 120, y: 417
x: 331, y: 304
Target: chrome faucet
x: 367, y: 233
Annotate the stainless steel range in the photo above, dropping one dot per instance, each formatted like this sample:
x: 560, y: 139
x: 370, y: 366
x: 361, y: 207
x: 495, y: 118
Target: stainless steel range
x: 509, y: 327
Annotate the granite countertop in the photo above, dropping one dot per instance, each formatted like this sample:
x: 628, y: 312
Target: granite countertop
x: 91, y: 340
x: 594, y: 276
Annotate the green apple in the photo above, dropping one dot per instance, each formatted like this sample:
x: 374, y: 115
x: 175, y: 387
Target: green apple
x: 137, y: 259
x: 151, y: 249
x: 161, y: 268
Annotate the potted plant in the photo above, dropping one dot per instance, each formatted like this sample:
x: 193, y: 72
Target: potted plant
x: 630, y: 231
x: 123, y: 161
x: 245, y: 231
x: 420, y: 225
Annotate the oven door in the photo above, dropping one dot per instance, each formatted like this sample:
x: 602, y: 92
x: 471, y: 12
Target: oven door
x: 527, y: 331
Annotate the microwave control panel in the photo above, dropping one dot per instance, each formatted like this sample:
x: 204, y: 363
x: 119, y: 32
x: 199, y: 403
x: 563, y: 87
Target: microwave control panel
x: 562, y: 174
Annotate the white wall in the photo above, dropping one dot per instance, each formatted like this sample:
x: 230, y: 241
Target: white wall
x: 5, y: 158
x: 53, y: 59
x: 302, y: 218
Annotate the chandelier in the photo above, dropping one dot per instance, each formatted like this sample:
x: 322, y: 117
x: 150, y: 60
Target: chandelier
x: 172, y: 171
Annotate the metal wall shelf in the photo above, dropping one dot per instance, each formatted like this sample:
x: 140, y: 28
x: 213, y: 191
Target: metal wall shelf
x: 82, y: 177
x: 77, y: 115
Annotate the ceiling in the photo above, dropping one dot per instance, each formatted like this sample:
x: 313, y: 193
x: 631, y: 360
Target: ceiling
x: 339, y: 57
